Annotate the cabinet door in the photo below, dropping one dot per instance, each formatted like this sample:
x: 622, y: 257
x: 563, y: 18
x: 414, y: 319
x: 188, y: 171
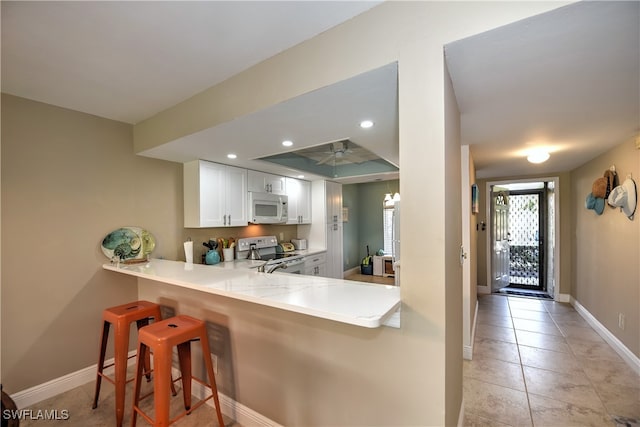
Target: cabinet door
x: 304, y: 202
x: 334, y: 202
x: 334, y: 263
x: 265, y: 182
x: 299, y: 193
x: 215, y: 195
x: 236, y: 197
x: 203, y: 203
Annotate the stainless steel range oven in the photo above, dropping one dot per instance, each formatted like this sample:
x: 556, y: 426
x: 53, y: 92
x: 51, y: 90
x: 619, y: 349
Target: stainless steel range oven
x: 284, y: 262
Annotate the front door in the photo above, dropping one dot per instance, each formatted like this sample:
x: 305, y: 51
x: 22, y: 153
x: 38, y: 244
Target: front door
x: 500, y: 239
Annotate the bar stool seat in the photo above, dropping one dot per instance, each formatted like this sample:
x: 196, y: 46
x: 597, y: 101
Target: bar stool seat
x: 121, y: 317
x: 160, y: 338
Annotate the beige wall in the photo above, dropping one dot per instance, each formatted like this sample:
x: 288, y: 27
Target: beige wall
x: 67, y: 180
x: 421, y: 363
x: 606, y: 263
x: 453, y: 268
x: 565, y: 227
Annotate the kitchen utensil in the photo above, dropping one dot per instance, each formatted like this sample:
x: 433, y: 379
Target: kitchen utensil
x: 299, y: 244
x: 212, y: 257
x: 253, y: 252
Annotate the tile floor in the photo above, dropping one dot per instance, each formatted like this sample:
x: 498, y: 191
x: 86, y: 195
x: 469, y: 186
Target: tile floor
x: 77, y: 402
x: 535, y: 363
x: 539, y: 363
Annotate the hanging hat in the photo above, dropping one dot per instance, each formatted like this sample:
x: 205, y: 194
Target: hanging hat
x: 611, y: 178
x: 625, y: 196
x: 599, y: 188
x: 595, y: 203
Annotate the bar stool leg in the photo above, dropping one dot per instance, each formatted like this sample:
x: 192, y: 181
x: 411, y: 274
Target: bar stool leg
x: 209, y: 364
x: 103, y: 351
x: 184, y: 356
x: 162, y: 380
x: 121, y: 353
x: 142, y: 352
x: 147, y: 361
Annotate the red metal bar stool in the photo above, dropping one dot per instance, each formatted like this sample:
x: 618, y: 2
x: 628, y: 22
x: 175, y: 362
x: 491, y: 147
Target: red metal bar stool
x: 160, y: 338
x: 121, y: 317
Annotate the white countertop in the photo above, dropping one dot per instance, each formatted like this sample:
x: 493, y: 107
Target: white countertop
x: 355, y: 303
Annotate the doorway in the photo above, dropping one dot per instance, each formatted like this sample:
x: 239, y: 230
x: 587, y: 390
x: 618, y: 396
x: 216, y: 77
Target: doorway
x: 522, y: 236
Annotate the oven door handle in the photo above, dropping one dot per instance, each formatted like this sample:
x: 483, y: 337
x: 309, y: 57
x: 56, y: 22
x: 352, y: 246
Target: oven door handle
x: 295, y: 262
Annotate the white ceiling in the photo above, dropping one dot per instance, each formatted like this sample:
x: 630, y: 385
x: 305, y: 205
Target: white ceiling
x: 128, y: 60
x: 568, y: 79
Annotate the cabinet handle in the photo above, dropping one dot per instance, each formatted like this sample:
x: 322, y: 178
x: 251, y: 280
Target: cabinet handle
x: 229, y: 219
x: 224, y: 219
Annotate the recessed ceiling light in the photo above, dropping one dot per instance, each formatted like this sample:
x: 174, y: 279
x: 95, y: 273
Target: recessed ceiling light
x: 538, y: 155
x: 287, y: 143
x: 231, y: 156
x: 366, y: 124
x: 300, y: 176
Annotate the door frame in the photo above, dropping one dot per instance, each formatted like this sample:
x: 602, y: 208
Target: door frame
x: 556, y: 223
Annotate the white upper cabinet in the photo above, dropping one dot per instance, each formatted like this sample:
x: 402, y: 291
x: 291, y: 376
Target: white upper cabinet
x: 267, y: 183
x: 299, y: 193
x: 215, y: 195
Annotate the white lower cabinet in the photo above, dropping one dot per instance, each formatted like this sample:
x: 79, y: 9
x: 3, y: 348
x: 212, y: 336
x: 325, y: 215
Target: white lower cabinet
x: 215, y: 195
x: 315, y: 265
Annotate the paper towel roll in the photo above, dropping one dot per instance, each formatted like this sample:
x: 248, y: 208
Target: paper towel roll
x: 188, y: 252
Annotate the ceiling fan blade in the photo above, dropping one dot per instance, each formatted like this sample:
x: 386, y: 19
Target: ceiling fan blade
x: 326, y: 159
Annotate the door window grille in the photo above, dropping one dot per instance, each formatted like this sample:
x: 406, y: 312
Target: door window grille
x: 524, y: 232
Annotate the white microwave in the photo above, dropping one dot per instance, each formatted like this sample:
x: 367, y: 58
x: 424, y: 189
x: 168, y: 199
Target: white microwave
x: 267, y: 208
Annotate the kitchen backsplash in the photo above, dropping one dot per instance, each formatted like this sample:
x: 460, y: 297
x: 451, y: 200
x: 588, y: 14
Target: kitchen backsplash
x: 284, y: 233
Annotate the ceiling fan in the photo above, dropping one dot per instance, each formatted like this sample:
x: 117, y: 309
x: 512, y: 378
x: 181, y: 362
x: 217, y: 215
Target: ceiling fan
x: 340, y: 153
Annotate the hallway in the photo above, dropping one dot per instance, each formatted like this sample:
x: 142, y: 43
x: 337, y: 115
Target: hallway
x: 539, y: 363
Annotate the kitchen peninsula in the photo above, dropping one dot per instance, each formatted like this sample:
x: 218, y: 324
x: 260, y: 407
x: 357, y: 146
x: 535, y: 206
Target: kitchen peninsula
x: 345, y: 301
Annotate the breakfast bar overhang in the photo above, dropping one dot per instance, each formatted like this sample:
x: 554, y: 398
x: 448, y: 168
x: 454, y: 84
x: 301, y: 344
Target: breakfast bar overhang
x: 354, y: 303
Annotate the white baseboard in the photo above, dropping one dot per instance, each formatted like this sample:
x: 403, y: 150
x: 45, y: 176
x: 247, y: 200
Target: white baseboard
x: 229, y: 407
x: 36, y: 394
x: 241, y: 414
x: 354, y: 270
x: 562, y: 298
x: 467, y: 350
x: 484, y: 290
x: 626, y: 354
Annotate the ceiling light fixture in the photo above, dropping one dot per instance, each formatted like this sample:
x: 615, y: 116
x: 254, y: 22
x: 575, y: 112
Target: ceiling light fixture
x: 287, y: 143
x: 366, y: 124
x: 538, y: 155
x: 231, y: 156
x: 300, y: 176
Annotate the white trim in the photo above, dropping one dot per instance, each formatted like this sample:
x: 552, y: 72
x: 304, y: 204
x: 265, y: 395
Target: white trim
x: 354, y: 270
x: 556, y: 255
x: 461, y: 414
x: 563, y: 298
x: 483, y: 290
x: 617, y: 345
x: 38, y: 393
x: 467, y: 350
x: 242, y: 415
x: 229, y: 407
